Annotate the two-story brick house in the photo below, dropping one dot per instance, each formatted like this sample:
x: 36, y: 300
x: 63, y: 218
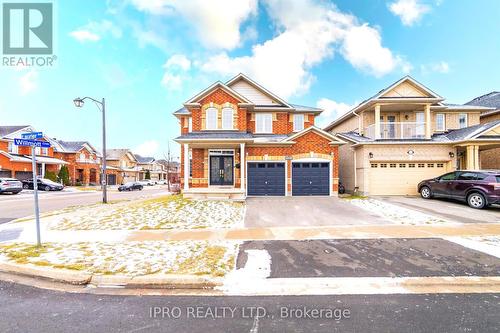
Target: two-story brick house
x: 405, y: 134
x: 121, y: 166
x: 156, y: 170
x: 84, y: 161
x: 239, y: 139
x: 16, y: 162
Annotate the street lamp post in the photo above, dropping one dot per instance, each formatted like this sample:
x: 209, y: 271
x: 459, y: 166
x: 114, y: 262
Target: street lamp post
x: 104, y: 181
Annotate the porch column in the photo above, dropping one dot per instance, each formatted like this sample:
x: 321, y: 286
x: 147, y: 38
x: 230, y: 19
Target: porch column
x: 43, y: 170
x: 428, y: 122
x: 377, y: 121
x: 472, y: 158
x: 242, y: 165
x: 476, y: 158
x: 186, y: 166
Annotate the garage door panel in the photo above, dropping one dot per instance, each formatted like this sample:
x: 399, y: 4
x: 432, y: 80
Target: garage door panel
x: 310, y: 179
x: 266, y: 179
x: 402, y: 178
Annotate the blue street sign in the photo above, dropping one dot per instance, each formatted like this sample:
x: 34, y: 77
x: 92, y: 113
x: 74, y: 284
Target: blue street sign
x: 32, y: 135
x: 31, y: 143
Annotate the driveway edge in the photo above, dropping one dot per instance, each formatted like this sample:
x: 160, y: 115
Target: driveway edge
x: 154, y: 281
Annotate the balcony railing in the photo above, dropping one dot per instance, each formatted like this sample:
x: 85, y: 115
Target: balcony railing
x: 397, y: 130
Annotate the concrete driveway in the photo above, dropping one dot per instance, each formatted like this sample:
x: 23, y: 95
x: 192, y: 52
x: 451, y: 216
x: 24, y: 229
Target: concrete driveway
x: 305, y: 211
x: 446, y: 209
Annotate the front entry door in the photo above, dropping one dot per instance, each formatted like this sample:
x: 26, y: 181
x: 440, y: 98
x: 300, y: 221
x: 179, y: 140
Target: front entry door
x: 221, y: 170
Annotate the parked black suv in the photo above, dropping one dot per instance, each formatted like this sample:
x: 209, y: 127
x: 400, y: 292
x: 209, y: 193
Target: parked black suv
x: 130, y: 186
x: 478, y: 188
x: 43, y: 184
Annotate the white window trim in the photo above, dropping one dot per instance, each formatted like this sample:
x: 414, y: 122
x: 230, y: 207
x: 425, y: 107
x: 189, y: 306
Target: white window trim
x: 442, y: 129
x: 211, y: 110
x: 466, y: 120
x: 12, y: 148
x: 190, y: 124
x: 295, y: 128
x: 262, y: 129
x: 231, y: 121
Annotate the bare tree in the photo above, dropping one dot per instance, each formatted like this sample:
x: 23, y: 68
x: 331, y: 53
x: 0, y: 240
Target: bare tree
x: 168, y: 158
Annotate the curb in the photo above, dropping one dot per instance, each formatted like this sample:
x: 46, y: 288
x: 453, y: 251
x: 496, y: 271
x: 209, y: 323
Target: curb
x: 59, y: 275
x: 154, y: 281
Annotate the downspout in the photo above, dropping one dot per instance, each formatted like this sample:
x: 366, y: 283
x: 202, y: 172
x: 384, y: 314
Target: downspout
x: 355, y: 170
x: 359, y: 122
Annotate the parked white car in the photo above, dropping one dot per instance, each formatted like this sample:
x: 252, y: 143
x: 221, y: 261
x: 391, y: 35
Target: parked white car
x: 10, y: 185
x: 147, y: 182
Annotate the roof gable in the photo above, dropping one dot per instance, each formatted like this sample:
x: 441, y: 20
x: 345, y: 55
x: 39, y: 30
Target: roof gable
x: 333, y: 139
x: 254, y: 91
x: 407, y: 87
x: 214, y: 87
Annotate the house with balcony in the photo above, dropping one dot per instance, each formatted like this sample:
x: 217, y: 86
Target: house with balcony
x: 172, y: 170
x: 240, y: 139
x: 16, y: 161
x: 490, y: 159
x: 84, y: 161
x: 156, y: 170
x: 121, y: 166
x: 407, y: 133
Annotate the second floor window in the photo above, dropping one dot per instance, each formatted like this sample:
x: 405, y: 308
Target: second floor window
x: 190, y: 124
x: 227, y: 118
x: 13, y: 148
x: 264, y: 123
x: 211, y: 118
x: 462, y: 120
x: 82, y: 156
x: 440, y: 122
x: 298, y: 122
x: 45, y: 151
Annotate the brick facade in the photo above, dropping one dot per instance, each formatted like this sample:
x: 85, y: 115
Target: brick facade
x: 82, y: 171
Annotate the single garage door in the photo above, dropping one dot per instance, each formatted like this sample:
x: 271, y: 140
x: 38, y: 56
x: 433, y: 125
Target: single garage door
x: 310, y: 178
x: 5, y: 174
x: 266, y: 179
x: 23, y: 175
x: 401, y: 178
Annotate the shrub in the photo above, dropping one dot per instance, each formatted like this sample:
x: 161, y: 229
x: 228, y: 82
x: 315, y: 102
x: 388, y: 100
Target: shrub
x: 51, y: 175
x: 64, y: 175
x: 148, y: 175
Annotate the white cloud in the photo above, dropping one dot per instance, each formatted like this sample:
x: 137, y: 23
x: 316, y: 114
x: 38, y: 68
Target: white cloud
x: 179, y: 61
x: 332, y: 110
x: 147, y: 148
x: 409, y: 11
x: 308, y: 32
x: 172, y: 81
x: 28, y: 82
x: 217, y: 22
x: 93, y: 31
x: 439, y: 67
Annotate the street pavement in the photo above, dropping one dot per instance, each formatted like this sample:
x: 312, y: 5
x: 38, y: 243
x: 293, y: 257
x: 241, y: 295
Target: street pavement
x: 21, y: 205
x: 29, y: 309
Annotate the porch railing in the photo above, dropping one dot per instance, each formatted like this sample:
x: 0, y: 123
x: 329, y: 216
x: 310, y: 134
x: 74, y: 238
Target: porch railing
x: 397, y: 130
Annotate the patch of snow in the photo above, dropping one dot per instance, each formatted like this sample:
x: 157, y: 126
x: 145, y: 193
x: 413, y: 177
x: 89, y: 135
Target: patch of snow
x: 396, y: 213
x: 487, y: 244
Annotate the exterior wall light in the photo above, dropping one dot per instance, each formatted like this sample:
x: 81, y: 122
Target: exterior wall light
x: 452, y: 154
x: 411, y: 152
x: 370, y: 155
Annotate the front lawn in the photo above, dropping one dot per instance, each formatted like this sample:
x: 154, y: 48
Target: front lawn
x: 131, y: 258
x: 167, y: 212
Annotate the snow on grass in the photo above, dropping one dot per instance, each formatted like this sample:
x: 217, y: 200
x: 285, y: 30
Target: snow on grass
x: 131, y: 258
x: 166, y: 212
x: 487, y: 244
x: 396, y: 213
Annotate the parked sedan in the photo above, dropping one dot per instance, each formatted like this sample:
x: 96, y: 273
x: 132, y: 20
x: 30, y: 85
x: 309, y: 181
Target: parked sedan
x: 130, y: 186
x: 10, y: 185
x: 147, y: 182
x: 478, y: 188
x: 43, y: 184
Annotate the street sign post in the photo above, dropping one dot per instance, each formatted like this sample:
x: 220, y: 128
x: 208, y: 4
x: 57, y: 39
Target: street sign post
x: 28, y: 140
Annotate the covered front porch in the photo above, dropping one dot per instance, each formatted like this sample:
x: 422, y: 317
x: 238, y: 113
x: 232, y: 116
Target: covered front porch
x: 213, y: 170
x: 479, y: 155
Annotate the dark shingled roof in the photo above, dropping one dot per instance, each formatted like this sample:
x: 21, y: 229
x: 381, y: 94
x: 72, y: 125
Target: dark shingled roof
x: 72, y: 145
x: 216, y: 135
x: 355, y: 137
x: 142, y: 159
x: 491, y: 100
x: 6, y: 130
x: 468, y: 132
x: 182, y: 110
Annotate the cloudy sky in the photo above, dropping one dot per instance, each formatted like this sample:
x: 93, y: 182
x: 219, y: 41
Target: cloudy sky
x: 147, y: 57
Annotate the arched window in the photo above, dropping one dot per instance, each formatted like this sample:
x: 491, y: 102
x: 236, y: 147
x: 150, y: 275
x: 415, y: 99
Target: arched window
x: 211, y: 118
x: 227, y: 118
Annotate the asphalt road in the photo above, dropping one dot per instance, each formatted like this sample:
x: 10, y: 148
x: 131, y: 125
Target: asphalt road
x: 28, y: 309
x: 20, y: 205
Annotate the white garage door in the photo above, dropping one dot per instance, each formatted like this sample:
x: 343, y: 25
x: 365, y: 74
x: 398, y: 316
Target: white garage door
x: 402, y: 178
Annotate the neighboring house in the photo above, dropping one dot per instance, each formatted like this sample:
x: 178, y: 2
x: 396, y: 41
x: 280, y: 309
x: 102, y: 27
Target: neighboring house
x: 84, y: 161
x: 240, y: 139
x: 16, y: 162
x: 490, y: 159
x: 404, y: 134
x: 122, y: 166
x: 172, y: 171
x: 156, y: 170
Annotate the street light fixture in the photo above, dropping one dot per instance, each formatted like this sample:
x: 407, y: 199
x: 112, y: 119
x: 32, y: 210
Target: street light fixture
x: 101, y: 105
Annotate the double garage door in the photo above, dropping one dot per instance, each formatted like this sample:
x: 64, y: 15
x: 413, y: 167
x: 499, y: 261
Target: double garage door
x: 268, y: 179
x: 402, y: 178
